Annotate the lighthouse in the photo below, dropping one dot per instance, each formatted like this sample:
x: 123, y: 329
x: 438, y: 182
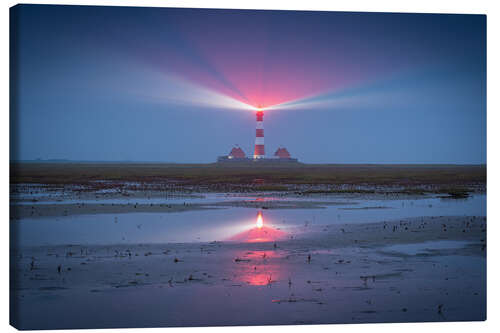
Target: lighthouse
x: 259, y: 154
x: 259, y: 151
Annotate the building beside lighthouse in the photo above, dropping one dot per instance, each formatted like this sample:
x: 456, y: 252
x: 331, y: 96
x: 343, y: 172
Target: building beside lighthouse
x: 282, y: 153
x: 236, y: 153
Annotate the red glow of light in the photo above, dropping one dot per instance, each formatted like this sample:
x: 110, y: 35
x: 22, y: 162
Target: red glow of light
x: 262, y: 268
x: 261, y: 279
x: 275, y: 72
x: 260, y: 233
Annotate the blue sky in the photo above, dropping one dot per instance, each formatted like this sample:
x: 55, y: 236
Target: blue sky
x: 181, y: 85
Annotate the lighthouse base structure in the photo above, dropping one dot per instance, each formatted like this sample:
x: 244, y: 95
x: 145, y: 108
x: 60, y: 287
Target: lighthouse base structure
x: 256, y: 161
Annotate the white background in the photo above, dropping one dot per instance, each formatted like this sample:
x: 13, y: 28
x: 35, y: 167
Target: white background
x: 491, y: 8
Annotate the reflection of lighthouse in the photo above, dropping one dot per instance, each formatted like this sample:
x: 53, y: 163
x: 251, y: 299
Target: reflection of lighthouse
x: 260, y: 221
x: 259, y: 136
x: 259, y: 233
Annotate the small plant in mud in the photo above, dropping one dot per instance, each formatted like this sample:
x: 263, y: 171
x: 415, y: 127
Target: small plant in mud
x: 269, y: 280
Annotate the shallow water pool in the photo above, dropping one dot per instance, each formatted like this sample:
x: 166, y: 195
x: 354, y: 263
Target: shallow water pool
x: 222, y: 224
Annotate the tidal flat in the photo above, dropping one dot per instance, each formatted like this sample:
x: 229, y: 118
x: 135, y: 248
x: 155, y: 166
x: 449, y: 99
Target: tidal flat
x: 131, y: 254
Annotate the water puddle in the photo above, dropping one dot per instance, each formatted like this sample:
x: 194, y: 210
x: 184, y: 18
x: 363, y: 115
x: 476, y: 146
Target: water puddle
x: 228, y: 223
x: 426, y: 247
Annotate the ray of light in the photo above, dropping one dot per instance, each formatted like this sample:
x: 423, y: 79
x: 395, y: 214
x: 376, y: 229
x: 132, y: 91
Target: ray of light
x: 279, y: 60
x: 259, y: 66
x: 171, y: 89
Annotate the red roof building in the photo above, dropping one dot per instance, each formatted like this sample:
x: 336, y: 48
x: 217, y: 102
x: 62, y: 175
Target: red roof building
x: 237, y: 152
x: 282, y: 153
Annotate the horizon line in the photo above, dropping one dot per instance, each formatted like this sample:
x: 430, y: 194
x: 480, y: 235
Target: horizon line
x: 62, y: 161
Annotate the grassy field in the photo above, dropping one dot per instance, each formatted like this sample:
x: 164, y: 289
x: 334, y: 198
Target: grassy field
x: 266, y: 175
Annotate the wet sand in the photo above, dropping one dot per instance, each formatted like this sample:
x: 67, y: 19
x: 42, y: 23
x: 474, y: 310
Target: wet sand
x: 304, y: 271
x: 419, y: 269
x: 45, y: 210
x: 54, y: 210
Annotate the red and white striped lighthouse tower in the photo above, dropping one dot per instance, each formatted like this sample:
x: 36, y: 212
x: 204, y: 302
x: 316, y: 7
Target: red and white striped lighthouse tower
x: 259, y: 136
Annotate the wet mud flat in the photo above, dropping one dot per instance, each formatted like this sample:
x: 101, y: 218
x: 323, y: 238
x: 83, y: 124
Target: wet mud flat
x: 67, y: 209
x: 49, y: 181
x: 418, y: 269
x: 21, y: 211
x: 140, y: 252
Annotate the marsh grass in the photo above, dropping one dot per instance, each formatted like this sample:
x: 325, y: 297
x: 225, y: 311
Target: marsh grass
x: 451, y: 179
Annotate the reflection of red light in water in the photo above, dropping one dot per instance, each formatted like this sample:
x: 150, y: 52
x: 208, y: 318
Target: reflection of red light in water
x: 260, y: 268
x: 264, y: 199
x: 260, y: 233
x: 260, y: 279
